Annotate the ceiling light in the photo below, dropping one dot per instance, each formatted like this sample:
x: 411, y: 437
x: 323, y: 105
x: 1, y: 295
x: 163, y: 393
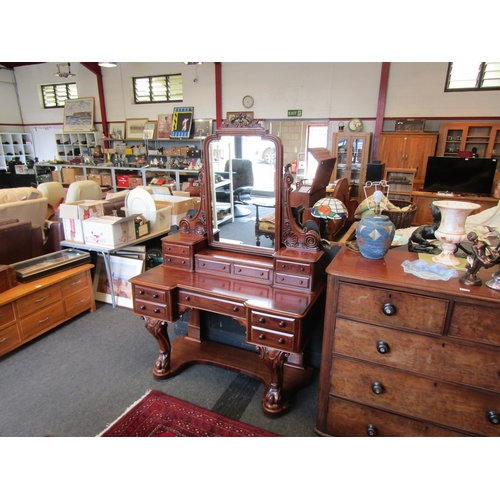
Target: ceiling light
x: 64, y: 70
x: 192, y: 63
x: 107, y: 64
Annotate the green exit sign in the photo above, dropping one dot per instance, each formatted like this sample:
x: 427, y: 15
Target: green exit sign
x: 294, y: 112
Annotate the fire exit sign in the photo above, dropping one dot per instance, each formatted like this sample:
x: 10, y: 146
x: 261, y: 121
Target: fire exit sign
x: 294, y: 112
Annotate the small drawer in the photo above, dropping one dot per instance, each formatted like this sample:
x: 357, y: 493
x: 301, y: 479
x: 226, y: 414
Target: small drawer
x: 77, y: 302
x: 34, y: 301
x: 149, y: 309
x: 180, y: 262
x: 203, y: 264
x: 6, y: 314
x: 284, y: 266
x: 74, y: 284
x: 150, y: 294
x: 9, y: 338
x: 272, y: 322
x: 173, y: 249
x: 276, y: 340
x: 394, y: 309
x: 43, y: 320
x: 476, y: 322
x: 221, y: 306
x: 252, y: 272
x: 347, y: 419
x: 290, y: 280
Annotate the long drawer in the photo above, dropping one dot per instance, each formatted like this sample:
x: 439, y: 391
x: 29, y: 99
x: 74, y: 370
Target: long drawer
x: 34, y: 301
x: 42, y: 320
x: 423, y: 398
x: 436, y: 357
x: 212, y: 304
x: 347, y: 419
x: 393, y: 309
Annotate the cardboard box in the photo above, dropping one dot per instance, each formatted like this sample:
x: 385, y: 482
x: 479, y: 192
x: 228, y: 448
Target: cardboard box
x: 79, y: 178
x: 135, y: 181
x: 95, y: 177
x: 106, y: 180
x: 160, y: 219
x: 69, y: 173
x: 74, y: 213
x: 108, y: 231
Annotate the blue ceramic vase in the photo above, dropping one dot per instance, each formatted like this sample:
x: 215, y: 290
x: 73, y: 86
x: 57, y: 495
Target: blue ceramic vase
x: 374, y: 235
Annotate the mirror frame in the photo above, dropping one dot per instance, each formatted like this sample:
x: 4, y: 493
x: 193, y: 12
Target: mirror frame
x: 254, y: 129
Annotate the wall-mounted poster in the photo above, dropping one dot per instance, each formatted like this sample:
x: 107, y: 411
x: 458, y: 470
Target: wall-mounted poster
x: 135, y: 128
x: 164, y: 126
x: 79, y: 115
x: 149, y: 131
x: 182, y: 120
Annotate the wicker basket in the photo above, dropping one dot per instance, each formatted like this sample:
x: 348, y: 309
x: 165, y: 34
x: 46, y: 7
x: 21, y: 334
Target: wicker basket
x: 401, y: 219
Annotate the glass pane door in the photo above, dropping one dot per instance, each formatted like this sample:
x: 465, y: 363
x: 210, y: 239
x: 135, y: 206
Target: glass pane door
x: 357, y: 153
x: 342, y: 152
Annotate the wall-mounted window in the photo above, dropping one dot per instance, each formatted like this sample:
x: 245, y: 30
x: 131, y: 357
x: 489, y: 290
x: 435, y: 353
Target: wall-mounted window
x: 160, y: 88
x: 53, y: 96
x: 473, y: 76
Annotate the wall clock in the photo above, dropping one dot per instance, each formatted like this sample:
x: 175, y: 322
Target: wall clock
x: 355, y: 125
x: 248, y: 101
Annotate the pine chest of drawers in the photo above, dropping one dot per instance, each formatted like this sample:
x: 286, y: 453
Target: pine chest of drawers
x: 403, y: 356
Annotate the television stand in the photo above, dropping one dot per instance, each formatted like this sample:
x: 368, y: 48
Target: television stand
x: 423, y: 200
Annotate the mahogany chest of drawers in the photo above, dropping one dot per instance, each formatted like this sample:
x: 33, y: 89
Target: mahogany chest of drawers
x: 404, y: 356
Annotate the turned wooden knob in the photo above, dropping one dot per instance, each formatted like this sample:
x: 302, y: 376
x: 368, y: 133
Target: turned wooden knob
x: 383, y: 347
x: 371, y: 430
x: 389, y: 309
x: 494, y: 417
x: 142, y: 307
x: 281, y: 341
x: 262, y: 336
x: 155, y: 295
x: 262, y: 320
x: 236, y: 308
x: 377, y: 388
x: 157, y: 310
x: 141, y: 292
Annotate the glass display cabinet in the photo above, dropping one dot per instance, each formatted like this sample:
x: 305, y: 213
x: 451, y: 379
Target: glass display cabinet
x: 352, y: 151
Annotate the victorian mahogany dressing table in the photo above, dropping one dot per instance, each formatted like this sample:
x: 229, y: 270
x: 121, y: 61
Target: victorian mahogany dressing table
x: 276, y: 294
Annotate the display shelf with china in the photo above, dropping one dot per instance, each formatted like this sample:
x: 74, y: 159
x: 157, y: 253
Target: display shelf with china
x: 16, y: 145
x: 481, y: 138
x: 352, y: 151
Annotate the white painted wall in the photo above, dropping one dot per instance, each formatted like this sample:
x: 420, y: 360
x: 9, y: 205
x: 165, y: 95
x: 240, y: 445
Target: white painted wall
x: 322, y: 90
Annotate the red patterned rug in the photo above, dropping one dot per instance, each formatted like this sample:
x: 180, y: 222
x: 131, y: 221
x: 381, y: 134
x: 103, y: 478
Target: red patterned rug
x: 159, y: 415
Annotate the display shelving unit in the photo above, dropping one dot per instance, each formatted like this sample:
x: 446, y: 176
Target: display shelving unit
x: 16, y: 144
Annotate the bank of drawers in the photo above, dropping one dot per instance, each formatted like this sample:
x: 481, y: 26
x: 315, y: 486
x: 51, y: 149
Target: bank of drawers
x: 397, y: 368
x: 39, y: 311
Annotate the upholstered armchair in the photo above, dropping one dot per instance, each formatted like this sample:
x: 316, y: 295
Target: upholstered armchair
x: 19, y: 241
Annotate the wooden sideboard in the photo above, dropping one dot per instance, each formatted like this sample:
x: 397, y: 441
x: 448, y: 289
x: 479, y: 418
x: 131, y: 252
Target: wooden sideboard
x: 423, y: 200
x: 403, y: 356
x: 31, y: 309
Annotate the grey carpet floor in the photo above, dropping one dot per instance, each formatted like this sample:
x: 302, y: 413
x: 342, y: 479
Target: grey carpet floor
x: 80, y: 377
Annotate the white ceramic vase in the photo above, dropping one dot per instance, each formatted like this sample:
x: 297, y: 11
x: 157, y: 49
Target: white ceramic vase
x: 451, y: 231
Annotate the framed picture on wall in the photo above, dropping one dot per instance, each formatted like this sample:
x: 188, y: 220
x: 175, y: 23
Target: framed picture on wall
x: 116, y: 131
x: 134, y: 128
x: 182, y: 121
x: 122, y: 269
x: 149, y: 131
x: 79, y: 115
x: 164, y: 126
x: 202, y: 128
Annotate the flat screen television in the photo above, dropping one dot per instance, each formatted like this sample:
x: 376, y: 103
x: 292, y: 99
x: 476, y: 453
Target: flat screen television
x: 472, y: 176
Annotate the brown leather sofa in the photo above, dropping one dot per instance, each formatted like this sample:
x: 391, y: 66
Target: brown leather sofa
x: 19, y: 241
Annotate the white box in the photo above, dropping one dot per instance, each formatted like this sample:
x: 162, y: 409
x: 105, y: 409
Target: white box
x: 73, y: 213
x: 108, y: 231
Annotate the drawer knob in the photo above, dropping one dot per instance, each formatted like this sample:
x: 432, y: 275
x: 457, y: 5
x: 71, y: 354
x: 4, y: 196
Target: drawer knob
x: 262, y: 336
x: 141, y: 292
x: 389, y: 309
x: 371, y: 430
x: 383, y: 347
x: 142, y: 308
x: 282, y: 324
x: 377, y: 388
x: 155, y: 295
x: 262, y: 320
x: 236, y: 308
x: 187, y: 297
x: 494, y: 417
x: 157, y: 311
x: 281, y: 341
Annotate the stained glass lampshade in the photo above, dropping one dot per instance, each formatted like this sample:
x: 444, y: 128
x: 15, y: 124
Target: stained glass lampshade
x: 329, y: 208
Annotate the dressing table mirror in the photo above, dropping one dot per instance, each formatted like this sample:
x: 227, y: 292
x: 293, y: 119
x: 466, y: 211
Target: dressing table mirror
x: 275, y: 289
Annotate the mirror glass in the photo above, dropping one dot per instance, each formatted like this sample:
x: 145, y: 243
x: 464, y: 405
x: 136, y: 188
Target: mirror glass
x: 243, y: 172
